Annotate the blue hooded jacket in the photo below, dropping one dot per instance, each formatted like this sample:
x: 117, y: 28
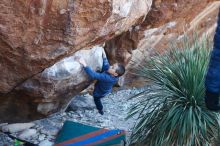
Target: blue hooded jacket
x: 105, y: 81
x: 212, y: 81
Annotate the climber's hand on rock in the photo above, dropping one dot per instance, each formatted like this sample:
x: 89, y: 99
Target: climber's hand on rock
x: 83, y: 62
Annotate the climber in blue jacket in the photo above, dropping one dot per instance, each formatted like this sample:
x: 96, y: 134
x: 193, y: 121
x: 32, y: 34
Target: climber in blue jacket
x: 105, y: 80
x: 212, y: 82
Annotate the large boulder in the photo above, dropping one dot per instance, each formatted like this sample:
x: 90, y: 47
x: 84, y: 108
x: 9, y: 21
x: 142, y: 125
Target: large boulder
x: 34, y: 34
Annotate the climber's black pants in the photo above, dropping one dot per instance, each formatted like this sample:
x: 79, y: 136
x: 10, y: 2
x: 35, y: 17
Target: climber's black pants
x: 98, y: 103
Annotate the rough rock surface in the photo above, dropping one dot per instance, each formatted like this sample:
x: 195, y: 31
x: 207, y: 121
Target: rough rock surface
x: 82, y: 102
x: 34, y: 34
x: 166, y: 23
x: 16, y: 127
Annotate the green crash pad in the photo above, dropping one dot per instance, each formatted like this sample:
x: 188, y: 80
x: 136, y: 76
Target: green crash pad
x: 77, y: 134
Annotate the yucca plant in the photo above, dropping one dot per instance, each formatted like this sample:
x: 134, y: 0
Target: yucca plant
x: 173, y: 112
